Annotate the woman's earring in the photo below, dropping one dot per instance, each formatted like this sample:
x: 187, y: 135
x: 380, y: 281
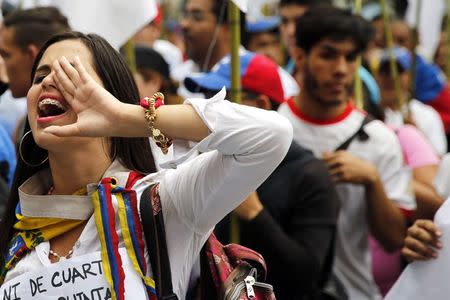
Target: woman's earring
x: 22, y: 156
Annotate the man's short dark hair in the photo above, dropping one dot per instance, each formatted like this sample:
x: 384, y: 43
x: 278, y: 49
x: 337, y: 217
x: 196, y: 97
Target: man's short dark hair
x: 311, y: 3
x: 36, y: 25
x: 333, y: 23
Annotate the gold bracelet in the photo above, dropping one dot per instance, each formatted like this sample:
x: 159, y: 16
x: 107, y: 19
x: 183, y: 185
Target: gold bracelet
x: 150, y: 105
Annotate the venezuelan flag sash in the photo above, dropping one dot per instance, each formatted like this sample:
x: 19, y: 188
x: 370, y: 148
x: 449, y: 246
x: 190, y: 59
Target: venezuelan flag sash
x: 33, y: 231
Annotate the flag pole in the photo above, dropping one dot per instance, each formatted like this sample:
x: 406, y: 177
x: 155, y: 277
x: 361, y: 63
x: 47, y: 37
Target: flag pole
x: 130, y: 56
x: 393, y: 63
x: 358, y: 83
x: 414, y: 57
x: 447, y: 41
x: 235, y: 24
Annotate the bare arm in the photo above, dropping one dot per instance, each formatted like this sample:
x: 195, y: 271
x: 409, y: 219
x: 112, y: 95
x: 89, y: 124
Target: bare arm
x: 387, y: 223
x: 428, y: 201
x: 101, y: 114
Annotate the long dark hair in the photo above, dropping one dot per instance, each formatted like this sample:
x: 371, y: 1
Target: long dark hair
x: 134, y: 153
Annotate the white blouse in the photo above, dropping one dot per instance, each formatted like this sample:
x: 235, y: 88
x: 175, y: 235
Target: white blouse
x: 245, y: 145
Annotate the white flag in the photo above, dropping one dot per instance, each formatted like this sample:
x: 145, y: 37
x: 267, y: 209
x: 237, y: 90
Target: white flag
x: 242, y: 4
x: 115, y: 20
x: 431, y: 15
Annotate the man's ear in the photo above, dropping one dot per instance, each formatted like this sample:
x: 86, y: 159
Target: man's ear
x: 263, y: 102
x: 32, y: 51
x: 298, y: 55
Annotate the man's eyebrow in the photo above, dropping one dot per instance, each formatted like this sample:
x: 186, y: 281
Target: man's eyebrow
x: 329, y: 48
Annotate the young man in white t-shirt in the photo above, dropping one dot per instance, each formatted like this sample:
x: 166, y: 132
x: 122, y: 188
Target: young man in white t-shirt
x: 371, y: 180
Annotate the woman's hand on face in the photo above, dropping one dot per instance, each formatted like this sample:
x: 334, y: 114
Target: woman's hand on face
x: 422, y: 241
x: 97, y: 110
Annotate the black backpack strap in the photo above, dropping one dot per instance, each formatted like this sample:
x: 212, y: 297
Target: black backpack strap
x: 155, y: 238
x: 360, y: 134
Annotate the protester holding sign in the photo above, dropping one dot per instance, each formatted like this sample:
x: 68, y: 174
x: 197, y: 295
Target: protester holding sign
x: 80, y: 205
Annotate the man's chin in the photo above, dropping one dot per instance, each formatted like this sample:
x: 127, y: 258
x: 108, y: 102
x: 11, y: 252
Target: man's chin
x: 330, y: 102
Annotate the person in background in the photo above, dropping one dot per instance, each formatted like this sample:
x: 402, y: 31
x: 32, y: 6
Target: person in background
x: 371, y: 179
x: 441, y: 54
x: 21, y: 36
x: 150, y: 35
x: 291, y: 218
x: 153, y: 75
x: 420, y: 156
x: 424, y: 117
x: 263, y: 37
x: 290, y: 12
x: 7, y: 157
x: 431, y: 85
x: 206, y: 37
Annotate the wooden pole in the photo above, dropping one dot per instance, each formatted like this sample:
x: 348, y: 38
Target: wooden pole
x: 447, y: 41
x: 393, y: 63
x: 235, y: 24
x: 130, y: 56
x: 414, y: 50
x: 359, y: 101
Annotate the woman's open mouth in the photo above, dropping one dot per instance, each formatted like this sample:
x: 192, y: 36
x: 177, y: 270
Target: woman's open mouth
x: 50, y: 109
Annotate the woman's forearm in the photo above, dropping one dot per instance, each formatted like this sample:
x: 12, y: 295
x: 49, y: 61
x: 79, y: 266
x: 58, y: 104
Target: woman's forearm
x: 175, y: 121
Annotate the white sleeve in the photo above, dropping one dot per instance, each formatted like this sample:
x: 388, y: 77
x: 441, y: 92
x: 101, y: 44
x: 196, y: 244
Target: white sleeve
x: 436, y: 132
x: 395, y: 175
x: 245, y: 145
x: 430, y: 123
x: 442, y: 179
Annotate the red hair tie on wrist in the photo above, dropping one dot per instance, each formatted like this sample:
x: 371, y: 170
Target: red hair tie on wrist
x: 159, y: 101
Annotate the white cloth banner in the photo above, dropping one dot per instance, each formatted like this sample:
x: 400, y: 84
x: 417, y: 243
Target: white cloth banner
x: 242, y: 4
x: 431, y: 15
x: 78, y: 278
x: 115, y: 20
x: 428, y: 279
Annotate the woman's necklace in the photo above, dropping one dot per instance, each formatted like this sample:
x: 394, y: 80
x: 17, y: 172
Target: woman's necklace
x: 69, y: 254
x: 61, y: 257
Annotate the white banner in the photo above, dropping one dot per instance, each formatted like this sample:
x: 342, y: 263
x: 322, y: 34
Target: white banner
x: 431, y: 15
x: 78, y: 278
x: 428, y: 279
x: 115, y: 20
x: 242, y: 4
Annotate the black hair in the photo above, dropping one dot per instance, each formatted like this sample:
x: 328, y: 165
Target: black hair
x: 133, y: 153
x: 305, y: 2
x: 148, y: 59
x: 36, y: 25
x: 220, y: 11
x: 335, y: 23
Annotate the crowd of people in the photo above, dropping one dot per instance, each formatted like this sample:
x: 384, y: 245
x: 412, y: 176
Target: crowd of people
x: 338, y: 196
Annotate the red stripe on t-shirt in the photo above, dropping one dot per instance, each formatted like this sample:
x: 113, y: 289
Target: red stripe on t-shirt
x: 348, y: 109
x: 408, y: 213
